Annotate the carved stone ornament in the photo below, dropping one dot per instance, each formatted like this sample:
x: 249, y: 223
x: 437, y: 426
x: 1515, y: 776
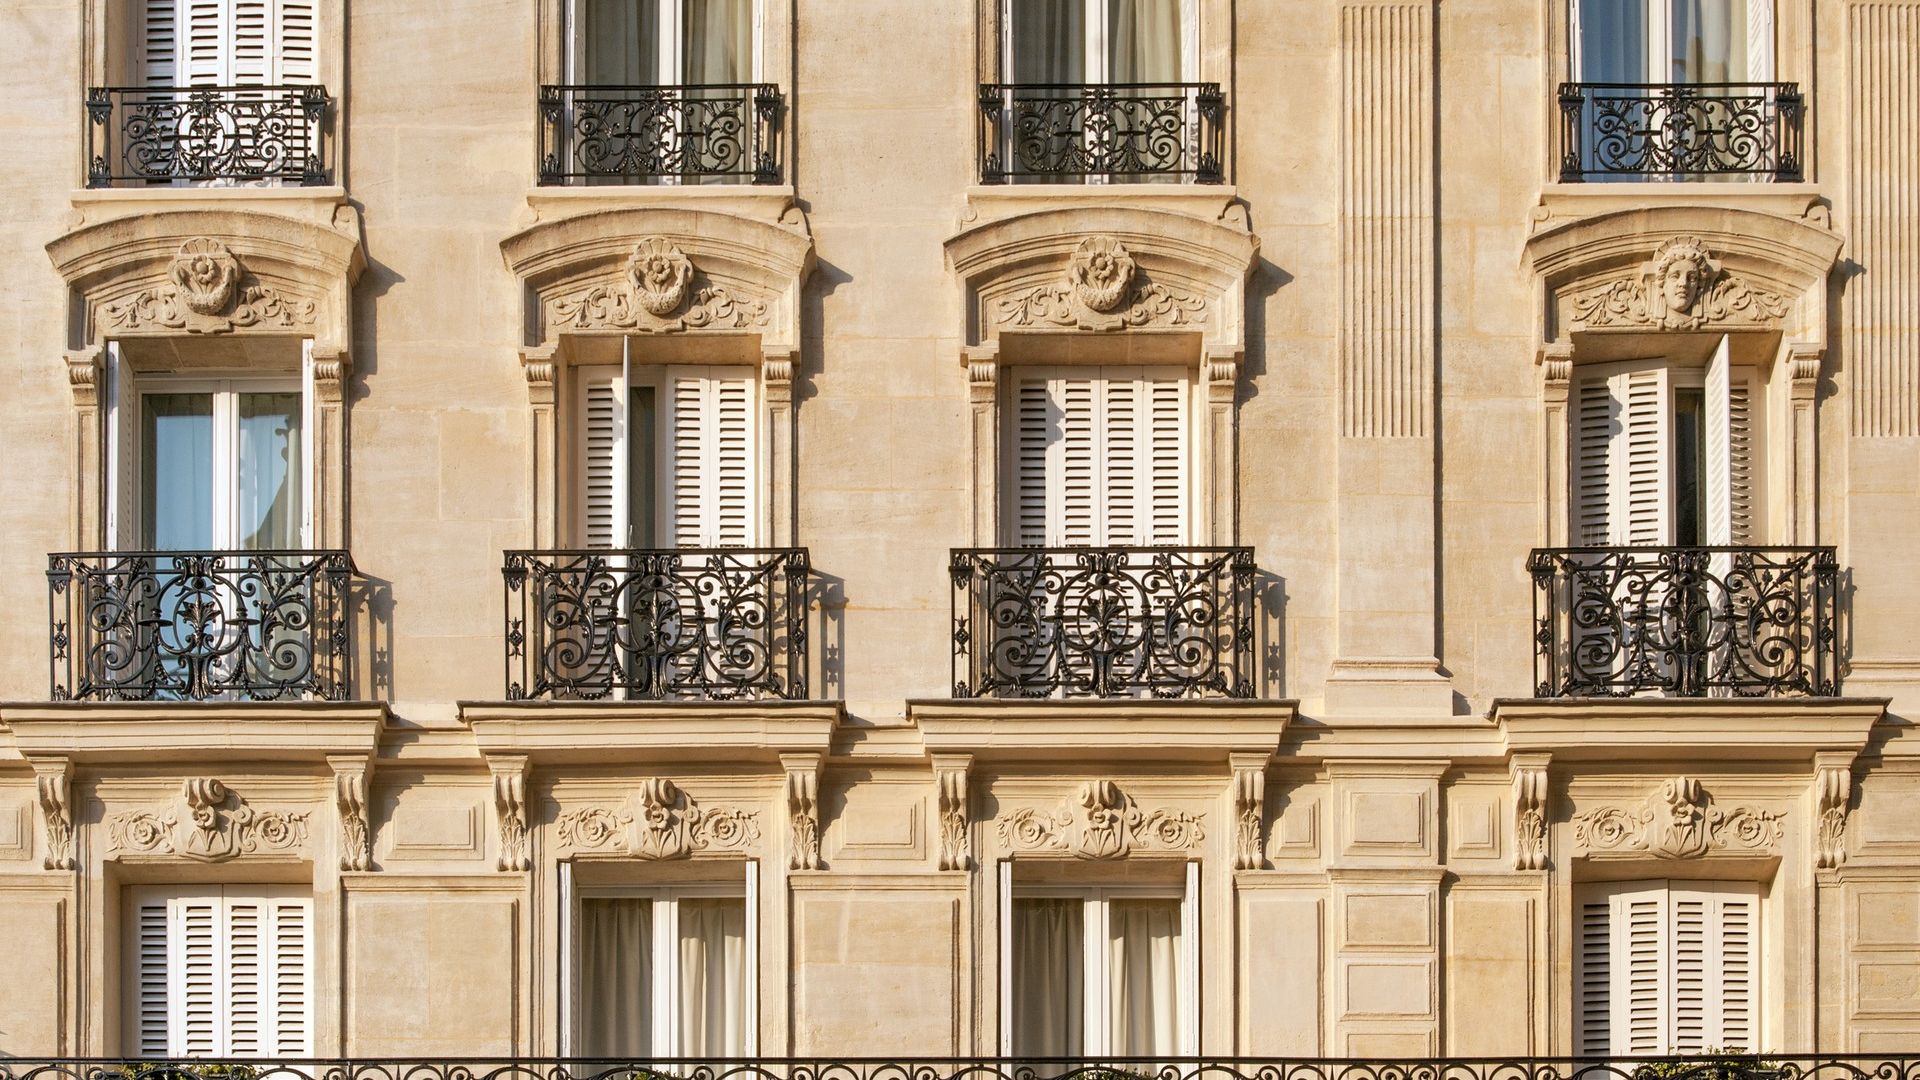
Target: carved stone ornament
x: 350, y: 799
x: 1677, y: 821
x: 1249, y: 814
x: 1683, y: 287
x: 1103, y: 290
x: 668, y: 825
x: 803, y: 814
x: 1529, y: 816
x: 656, y: 294
x: 208, y: 294
x: 210, y: 823
x: 510, y: 804
x: 54, y: 779
x: 1833, y: 790
x: 1100, y: 822
x: 955, y: 849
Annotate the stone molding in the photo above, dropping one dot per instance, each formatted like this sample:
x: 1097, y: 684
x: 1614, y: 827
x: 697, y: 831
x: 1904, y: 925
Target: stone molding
x: 53, y: 783
x: 803, y: 810
x: 1833, y: 797
x: 1676, y: 821
x: 1099, y: 821
x: 1146, y: 731
x: 1682, y: 732
x: 208, y: 823
x: 137, y: 733
x: 659, y: 821
x: 642, y: 732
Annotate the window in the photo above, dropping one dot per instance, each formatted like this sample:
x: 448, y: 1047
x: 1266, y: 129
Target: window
x: 1672, y: 41
x: 1098, y: 972
x: 663, y: 42
x: 667, y: 456
x: 227, y: 42
x: 1667, y: 967
x: 663, y: 973
x: 1100, y: 41
x: 1098, y: 456
x: 219, y: 972
x: 1667, y: 454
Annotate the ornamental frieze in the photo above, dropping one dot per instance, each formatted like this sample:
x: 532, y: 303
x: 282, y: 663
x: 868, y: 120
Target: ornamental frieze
x: 208, y: 292
x: 1099, y: 822
x: 655, y: 293
x: 208, y: 823
x: 1677, y: 821
x: 660, y: 821
x: 1683, y: 287
x: 1102, y: 289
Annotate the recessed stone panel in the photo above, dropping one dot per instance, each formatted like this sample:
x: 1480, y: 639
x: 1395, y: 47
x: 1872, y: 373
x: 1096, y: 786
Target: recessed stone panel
x: 1386, y: 920
x: 1386, y: 987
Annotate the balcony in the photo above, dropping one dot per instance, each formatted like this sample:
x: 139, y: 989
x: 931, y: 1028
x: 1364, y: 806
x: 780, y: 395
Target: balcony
x: 200, y: 625
x: 139, y: 136
x: 660, y: 134
x: 1110, y: 132
x: 699, y: 624
x: 1108, y: 622
x: 1680, y: 131
x: 1685, y: 622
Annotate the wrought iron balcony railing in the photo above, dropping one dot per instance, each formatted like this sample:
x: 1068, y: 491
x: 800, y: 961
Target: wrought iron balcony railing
x: 660, y: 134
x: 200, y: 625
x: 1680, y: 131
x: 715, y: 624
x: 1103, y: 622
x: 1038, y: 132
x: 207, y: 134
x: 1685, y: 621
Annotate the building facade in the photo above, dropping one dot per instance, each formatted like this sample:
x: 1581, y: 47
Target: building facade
x: 965, y: 528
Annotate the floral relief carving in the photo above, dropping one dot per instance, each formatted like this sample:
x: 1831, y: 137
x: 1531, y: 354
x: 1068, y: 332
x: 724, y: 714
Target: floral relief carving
x: 1683, y: 287
x: 1100, y: 822
x: 1677, y: 821
x: 656, y: 294
x: 668, y: 825
x: 658, y: 274
x: 210, y: 823
x: 208, y: 293
x: 1103, y: 290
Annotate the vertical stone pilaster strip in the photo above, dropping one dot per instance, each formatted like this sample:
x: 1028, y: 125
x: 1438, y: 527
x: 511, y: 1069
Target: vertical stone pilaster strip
x: 1556, y: 380
x: 542, y: 374
x: 1223, y: 388
x: 332, y: 366
x: 983, y: 392
x: 776, y: 383
x: 1883, y: 205
x: 88, y: 498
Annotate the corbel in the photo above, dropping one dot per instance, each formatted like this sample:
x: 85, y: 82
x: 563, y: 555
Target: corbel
x: 803, y: 809
x: 1833, y: 793
x: 83, y: 375
x: 1529, y: 811
x: 350, y: 800
x: 1249, y: 807
x: 950, y: 774
x: 510, y: 803
x: 53, y: 778
x: 332, y: 366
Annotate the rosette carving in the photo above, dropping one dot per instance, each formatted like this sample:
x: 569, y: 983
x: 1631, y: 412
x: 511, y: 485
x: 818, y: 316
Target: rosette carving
x: 1101, y: 270
x: 659, y: 274
x: 1103, y: 289
x: 205, y: 272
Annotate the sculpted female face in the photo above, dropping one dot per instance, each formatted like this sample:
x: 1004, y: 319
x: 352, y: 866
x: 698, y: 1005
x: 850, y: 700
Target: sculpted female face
x: 1682, y: 281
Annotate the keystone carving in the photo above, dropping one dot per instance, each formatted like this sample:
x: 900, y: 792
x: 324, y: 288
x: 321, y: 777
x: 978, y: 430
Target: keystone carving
x: 1102, y: 290
x: 669, y: 825
x: 659, y: 274
x: 1677, y: 821
x: 210, y: 823
x: 655, y: 294
x: 1683, y: 287
x: 1529, y: 815
x: 54, y: 779
x: 208, y: 293
x: 1100, y: 822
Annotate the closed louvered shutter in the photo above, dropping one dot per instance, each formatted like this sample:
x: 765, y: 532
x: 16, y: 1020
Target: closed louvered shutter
x: 1098, y: 456
x: 1667, y: 968
x: 297, y: 52
x: 1640, y: 973
x: 159, y: 43
x: 150, y: 982
x: 710, y: 487
x: 206, y: 42
x: 288, y: 985
x: 222, y: 973
x: 604, y: 455
x: 1736, y: 936
x: 229, y: 42
x: 1592, y: 974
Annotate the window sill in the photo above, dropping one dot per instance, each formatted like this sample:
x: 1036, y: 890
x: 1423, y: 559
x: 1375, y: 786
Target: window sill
x: 1563, y: 202
x: 763, y: 202
x: 994, y: 201
x: 316, y: 204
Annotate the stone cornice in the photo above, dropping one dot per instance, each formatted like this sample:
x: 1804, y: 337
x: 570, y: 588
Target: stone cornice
x: 615, y: 732
x: 1109, y: 730
x: 139, y: 732
x: 1686, y: 730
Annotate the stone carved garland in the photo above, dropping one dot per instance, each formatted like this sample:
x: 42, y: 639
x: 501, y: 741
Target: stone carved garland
x: 210, y: 823
x: 669, y: 825
x: 1683, y: 287
x: 1676, y: 822
x: 1103, y: 290
x: 1100, y: 822
x: 653, y: 294
x: 208, y: 294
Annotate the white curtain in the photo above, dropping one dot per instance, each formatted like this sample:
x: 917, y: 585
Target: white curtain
x: 1143, y: 971
x: 270, y: 481
x: 618, y: 42
x: 713, y: 976
x: 1145, y: 42
x: 1049, y: 41
x: 718, y: 36
x: 1613, y: 38
x: 1048, y: 1006
x: 1710, y: 41
x: 615, y: 960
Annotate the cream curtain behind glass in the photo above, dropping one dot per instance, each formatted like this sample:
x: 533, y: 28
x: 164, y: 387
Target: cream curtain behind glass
x: 1049, y: 39
x: 1048, y: 1006
x: 619, y: 42
x: 1710, y: 41
x: 713, y: 973
x: 1143, y: 973
x: 718, y: 36
x: 1144, y: 41
x: 615, y: 961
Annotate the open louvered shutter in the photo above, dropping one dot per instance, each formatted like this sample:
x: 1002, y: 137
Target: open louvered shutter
x: 602, y: 393
x: 287, y: 984
x: 196, y: 965
x: 123, y: 525
x: 1642, y: 510
x: 1759, y: 42
x: 159, y: 43
x: 711, y: 498
x: 1592, y: 987
x: 1595, y: 415
x: 1730, y: 451
x: 1033, y: 419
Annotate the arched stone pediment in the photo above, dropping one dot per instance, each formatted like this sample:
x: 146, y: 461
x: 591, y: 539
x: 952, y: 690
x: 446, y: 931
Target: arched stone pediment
x: 194, y: 272
x: 659, y: 270
x: 1684, y: 268
x: 1105, y: 269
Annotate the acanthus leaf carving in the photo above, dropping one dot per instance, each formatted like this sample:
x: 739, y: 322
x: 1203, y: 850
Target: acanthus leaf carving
x: 1530, y: 815
x: 1676, y: 821
x: 1833, y: 792
x: 1683, y: 287
x: 510, y: 806
x: 209, y: 823
x: 1249, y: 815
x: 660, y: 822
x: 350, y: 799
x: 955, y: 824
x: 208, y: 292
x: 655, y: 294
x: 1099, y: 822
x: 1103, y: 289
x: 53, y: 780
x: 803, y: 810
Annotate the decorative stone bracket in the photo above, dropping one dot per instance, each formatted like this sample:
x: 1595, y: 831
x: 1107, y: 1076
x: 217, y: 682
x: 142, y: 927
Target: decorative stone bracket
x: 950, y: 775
x: 803, y: 809
x: 350, y: 800
x: 1099, y: 822
x: 510, y: 806
x: 53, y: 777
x: 1677, y: 821
x: 1249, y: 809
x: 209, y: 823
x: 660, y: 821
x: 1529, y: 811
x: 1833, y: 794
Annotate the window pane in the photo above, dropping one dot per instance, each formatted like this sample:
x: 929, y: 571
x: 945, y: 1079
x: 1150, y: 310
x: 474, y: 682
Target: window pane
x: 268, y: 497
x: 176, y: 455
x: 1047, y: 1004
x: 1710, y: 41
x: 718, y: 37
x: 1689, y: 466
x: 642, y: 466
x: 1049, y: 41
x: 1613, y: 40
x: 1144, y: 41
x: 615, y: 961
x: 1143, y: 964
x: 619, y: 42
x: 713, y: 978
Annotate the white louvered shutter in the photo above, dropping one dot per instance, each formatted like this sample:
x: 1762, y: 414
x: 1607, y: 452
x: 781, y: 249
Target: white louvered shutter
x: 252, y: 56
x: 151, y: 971
x: 1640, y: 989
x: 222, y: 973
x: 159, y: 43
x: 1667, y: 968
x: 123, y: 524
x: 710, y: 489
x: 1621, y: 458
x: 196, y: 965
x: 206, y: 35
x: 288, y: 983
x: 1736, y: 937
x: 1595, y: 415
x: 1730, y: 445
x: 1034, y: 423
x: 1759, y: 42
x: 296, y: 55
x: 229, y: 42
x: 1075, y: 462
x: 604, y: 455
x: 1098, y: 456
x: 1592, y: 987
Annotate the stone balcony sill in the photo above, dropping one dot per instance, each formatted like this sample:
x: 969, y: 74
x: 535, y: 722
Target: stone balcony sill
x: 134, y: 732
x: 1560, y: 202
x: 1686, y: 730
x: 624, y: 732
x: 316, y: 204
x: 771, y: 203
x: 987, y: 202
x: 1202, y: 730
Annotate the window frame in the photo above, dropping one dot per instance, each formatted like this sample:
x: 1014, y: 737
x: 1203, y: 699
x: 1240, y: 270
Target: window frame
x: 1659, y: 43
x: 1096, y: 61
x: 669, y: 46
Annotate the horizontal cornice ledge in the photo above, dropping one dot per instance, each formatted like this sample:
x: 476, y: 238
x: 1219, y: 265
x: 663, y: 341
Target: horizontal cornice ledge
x: 572, y: 732
x: 138, y: 732
x: 1686, y: 730
x: 1201, y: 730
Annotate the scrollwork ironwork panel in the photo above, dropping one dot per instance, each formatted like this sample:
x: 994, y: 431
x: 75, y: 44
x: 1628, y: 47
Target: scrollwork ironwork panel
x: 1685, y: 621
x: 1680, y: 130
x: 1103, y: 622
x: 719, y: 624
x: 1116, y: 131
x: 650, y: 134
x: 200, y: 625
x: 207, y: 134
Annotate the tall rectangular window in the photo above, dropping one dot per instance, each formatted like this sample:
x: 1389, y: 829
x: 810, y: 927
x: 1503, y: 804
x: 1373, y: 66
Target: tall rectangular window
x: 1099, y: 41
x: 663, y: 42
x: 663, y: 974
x: 1673, y: 41
x: 1097, y: 456
x: 1667, y: 967
x: 218, y: 971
